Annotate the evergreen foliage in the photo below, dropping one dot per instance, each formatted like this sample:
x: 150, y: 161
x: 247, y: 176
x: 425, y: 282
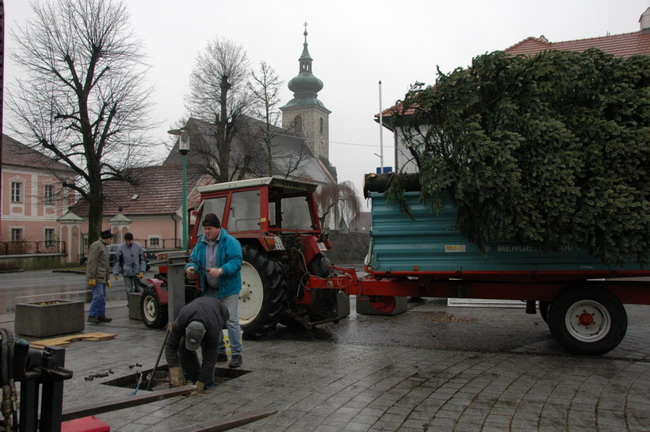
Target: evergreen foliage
x: 551, y: 150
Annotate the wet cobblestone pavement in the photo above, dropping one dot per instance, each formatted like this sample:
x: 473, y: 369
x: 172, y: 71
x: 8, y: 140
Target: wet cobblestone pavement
x: 432, y: 368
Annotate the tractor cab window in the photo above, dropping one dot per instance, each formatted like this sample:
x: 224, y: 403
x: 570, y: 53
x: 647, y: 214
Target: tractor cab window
x: 211, y: 205
x: 244, y: 211
x: 295, y: 213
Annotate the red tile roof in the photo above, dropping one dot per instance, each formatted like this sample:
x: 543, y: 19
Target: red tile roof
x: 621, y: 45
x: 159, y: 191
x: 20, y: 155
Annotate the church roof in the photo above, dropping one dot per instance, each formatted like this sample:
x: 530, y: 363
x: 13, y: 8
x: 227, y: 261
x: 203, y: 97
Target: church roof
x: 291, y: 155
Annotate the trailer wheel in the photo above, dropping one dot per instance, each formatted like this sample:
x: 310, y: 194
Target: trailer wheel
x: 154, y: 313
x: 262, y: 297
x: 587, y: 320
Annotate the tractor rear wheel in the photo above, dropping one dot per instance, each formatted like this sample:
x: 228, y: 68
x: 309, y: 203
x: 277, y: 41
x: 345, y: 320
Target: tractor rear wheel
x: 154, y: 313
x: 324, y: 305
x: 262, y: 297
x: 324, y: 302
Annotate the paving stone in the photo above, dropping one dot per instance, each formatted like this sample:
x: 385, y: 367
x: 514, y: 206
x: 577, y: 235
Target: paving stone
x: 380, y: 373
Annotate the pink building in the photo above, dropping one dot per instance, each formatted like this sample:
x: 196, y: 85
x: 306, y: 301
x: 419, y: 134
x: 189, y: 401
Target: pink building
x: 33, y: 199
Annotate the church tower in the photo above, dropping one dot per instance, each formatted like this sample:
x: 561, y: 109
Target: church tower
x: 305, y: 113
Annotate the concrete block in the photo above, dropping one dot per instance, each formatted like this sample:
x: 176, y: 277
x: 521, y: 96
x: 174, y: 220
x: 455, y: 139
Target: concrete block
x: 135, y: 313
x: 364, y: 307
x: 48, y: 318
x: 342, y: 305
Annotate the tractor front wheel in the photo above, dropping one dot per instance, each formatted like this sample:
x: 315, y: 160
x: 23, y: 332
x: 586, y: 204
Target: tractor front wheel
x: 154, y: 313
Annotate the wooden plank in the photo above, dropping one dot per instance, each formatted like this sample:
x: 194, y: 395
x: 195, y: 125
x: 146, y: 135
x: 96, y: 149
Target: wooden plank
x: 228, y: 422
x: 127, y: 402
x: 67, y: 340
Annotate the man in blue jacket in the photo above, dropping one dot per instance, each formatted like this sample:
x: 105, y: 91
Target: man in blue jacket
x: 217, y: 259
x: 130, y: 262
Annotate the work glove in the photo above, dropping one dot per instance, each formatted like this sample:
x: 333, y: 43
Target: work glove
x: 140, y: 275
x: 108, y: 283
x: 200, y: 385
x: 92, y: 283
x: 117, y: 277
x: 175, y: 377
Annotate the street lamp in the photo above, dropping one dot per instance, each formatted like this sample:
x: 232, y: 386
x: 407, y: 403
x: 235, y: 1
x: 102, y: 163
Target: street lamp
x: 183, y: 148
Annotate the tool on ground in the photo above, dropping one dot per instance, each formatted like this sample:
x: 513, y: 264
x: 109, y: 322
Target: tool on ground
x: 137, y: 387
x: 162, y: 348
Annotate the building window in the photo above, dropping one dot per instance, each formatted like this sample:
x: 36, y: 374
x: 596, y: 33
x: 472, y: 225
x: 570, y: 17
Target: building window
x: 49, y: 237
x: 16, y: 234
x: 321, y: 126
x: 16, y: 192
x: 154, y: 242
x: 48, y: 195
x: 297, y: 124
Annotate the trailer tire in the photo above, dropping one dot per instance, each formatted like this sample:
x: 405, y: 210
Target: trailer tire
x: 263, y: 296
x: 154, y: 313
x: 588, y: 321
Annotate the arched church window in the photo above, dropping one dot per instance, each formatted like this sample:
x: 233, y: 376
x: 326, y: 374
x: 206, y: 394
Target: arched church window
x: 321, y: 125
x: 297, y: 123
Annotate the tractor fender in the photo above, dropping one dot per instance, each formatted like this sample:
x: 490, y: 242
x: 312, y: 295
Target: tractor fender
x: 310, y: 248
x: 160, y: 287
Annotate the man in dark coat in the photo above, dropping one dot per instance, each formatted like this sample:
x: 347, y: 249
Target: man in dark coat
x: 97, y: 277
x: 199, y: 324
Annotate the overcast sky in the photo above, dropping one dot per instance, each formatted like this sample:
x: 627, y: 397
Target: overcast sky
x: 354, y: 44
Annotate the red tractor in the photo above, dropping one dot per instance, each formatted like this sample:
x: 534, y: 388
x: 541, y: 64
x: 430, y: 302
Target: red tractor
x: 276, y: 221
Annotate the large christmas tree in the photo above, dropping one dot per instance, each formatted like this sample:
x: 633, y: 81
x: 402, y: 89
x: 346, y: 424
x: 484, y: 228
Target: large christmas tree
x: 551, y: 150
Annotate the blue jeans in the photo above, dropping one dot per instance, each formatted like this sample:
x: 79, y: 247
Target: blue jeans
x: 131, y: 285
x: 98, y: 303
x: 234, y: 331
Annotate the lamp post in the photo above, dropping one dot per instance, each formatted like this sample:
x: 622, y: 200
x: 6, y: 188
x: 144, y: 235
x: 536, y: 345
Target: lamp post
x: 183, y: 148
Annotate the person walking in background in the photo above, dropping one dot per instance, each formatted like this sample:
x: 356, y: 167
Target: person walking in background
x: 98, y: 273
x: 199, y: 324
x: 217, y: 259
x: 130, y: 263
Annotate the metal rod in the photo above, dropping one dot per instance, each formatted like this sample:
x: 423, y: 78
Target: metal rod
x: 381, y: 133
x: 184, y: 220
x: 162, y: 348
x: 127, y: 402
x: 229, y: 422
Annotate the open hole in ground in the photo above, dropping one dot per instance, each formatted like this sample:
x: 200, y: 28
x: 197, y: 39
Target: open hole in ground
x: 161, y: 378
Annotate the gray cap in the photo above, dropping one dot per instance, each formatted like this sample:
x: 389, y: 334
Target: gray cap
x: 194, y: 335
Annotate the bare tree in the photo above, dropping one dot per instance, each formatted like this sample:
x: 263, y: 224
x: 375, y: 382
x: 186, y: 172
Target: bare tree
x: 265, y: 87
x: 219, y: 94
x: 81, y: 99
x: 335, y: 199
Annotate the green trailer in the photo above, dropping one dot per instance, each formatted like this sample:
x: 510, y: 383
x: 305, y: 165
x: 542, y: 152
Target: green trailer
x: 424, y: 254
